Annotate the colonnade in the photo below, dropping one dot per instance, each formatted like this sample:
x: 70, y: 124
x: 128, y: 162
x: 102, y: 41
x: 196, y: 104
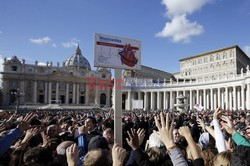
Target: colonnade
x: 233, y: 97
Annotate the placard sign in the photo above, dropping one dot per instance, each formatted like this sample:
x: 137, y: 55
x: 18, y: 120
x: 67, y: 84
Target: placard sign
x: 117, y: 52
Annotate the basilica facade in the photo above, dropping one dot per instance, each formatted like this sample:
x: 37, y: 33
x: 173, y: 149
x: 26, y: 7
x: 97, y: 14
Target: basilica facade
x: 34, y: 84
x: 218, y: 78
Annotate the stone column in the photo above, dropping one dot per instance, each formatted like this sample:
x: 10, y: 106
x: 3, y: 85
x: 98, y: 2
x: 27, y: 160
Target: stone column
x: 234, y: 98
x: 108, y: 98
x: 164, y: 100
x: 49, y: 95
x: 145, y: 101
x: 200, y: 97
x: 67, y: 94
x: 243, y: 97
x: 208, y: 107
x: 184, y: 94
x: 211, y: 99
x: 57, y: 91
x: 226, y: 97
x: 152, y: 100
x: 158, y: 100
x: 215, y: 100
x: 238, y: 98
x: 35, y: 92
x: 46, y: 93
x: 77, y: 93
x: 74, y: 94
x: 223, y: 100
x: 177, y: 94
x: 191, y: 100
x: 204, y: 99
x: 129, y: 101
x: 171, y: 100
x: 230, y: 100
x: 22, y: 89
x: 197, y: 97
x: 248, y: 96
x: 167, y: 100
x: 6, y: 92
x: 87, y: 95
x: 219, y: 98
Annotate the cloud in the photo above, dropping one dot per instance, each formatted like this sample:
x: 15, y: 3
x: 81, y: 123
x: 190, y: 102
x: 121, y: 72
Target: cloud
x: 247, y: 50
x: 40, y: 41
x: 54, y: 45
x: 180, y: 29
x: 41, y: 64
x: 72, y: 43
x: 181, y: 7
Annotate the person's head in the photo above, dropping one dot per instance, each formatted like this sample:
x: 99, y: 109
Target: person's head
x: 37, y: 156
x: 241, y: 156
x: 208, y: 155
x: 222, y: 159
x: 154, y: 141
x: 61, y: 151
x: 97, y: 157
x: 98, y: 142
x: 155, y: 156
x: 52, y: 131
x: 61, y: 148
x: 176, y: 135
x: 109, y: 135
x: 90, y: 123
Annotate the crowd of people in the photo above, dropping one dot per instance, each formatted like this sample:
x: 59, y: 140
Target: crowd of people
x: 150, y: 138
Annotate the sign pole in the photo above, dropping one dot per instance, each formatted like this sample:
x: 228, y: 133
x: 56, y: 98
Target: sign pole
x: 118, y: 107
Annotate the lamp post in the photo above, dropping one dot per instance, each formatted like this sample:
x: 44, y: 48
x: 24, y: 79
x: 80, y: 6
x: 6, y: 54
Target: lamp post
x: 17, y: 94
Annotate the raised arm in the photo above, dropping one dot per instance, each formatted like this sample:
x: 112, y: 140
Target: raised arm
x: 219, y: 137
x: 165, y: 134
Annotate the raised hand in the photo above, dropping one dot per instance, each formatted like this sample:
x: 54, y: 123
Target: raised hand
x: 45, y: 139
x: 2, y: 127
x: 29, y: 134
x: 185, y: 131
x: 141, y: 134
x: 133, y: 140
x: 83, y: 129
x: 165, y: 129
x: 201, y: 123
x: 228, y: 125
x: 25, y: 123
x: 72, y: 155
x: 216, y: 113
x: 12, y: 117
x: 118, y: 155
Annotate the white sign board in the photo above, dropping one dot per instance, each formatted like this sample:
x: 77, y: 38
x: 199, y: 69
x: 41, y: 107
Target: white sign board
x: 137, y: 104
x: 117, y: 52
x: 198, y: 107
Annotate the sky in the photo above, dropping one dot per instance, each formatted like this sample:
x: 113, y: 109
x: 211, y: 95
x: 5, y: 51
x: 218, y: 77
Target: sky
x: 50, y: 30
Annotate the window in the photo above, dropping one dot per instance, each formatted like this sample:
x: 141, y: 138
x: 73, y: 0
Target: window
x: 103, y: 75
x: 14, y: 68
x: 211, y: 58
x: 224, y: 55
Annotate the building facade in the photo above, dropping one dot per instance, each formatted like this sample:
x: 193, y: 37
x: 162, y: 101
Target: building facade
x: 37, y: 83
x: 219, y: 78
